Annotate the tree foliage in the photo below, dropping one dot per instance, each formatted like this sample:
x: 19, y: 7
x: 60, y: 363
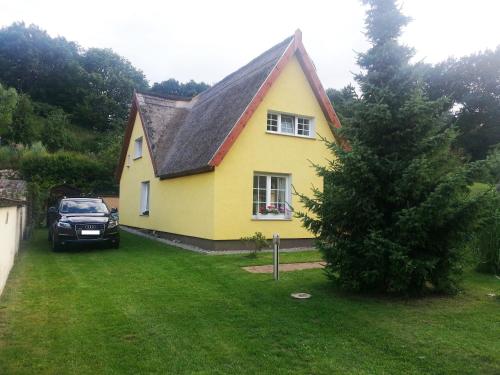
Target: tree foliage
x: 25, y: 126
x: 55, y: 135
x: 8, y: 103
x: 174, y: 87
x: 472, y: 85
x: 486, y: 243
x: 94, y: 86
x: 395, y: 207
x: 344, y: 100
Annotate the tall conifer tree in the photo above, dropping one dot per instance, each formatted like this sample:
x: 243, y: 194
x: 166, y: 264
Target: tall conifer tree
x: 395, y: 206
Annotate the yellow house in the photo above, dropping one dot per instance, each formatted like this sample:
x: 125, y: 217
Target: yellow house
x: 209, y: 170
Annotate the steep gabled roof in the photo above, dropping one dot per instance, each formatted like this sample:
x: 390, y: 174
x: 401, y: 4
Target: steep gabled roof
x: 192, y: 136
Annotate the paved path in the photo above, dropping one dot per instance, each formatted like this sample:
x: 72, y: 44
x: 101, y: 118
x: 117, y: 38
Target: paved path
x: 285, y: 267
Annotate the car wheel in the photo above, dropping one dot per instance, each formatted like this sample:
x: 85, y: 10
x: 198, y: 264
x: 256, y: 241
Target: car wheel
x: 49, y: 236
x: 56, y: 245
x: 116, y: 245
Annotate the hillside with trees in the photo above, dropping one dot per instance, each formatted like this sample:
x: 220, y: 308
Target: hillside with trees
x: 63, y: 106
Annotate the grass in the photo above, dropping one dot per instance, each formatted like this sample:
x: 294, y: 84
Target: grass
x: 151, y: 308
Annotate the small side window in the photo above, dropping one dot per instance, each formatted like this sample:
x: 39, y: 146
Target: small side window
x: 144, y: 204
x: 138, y: 148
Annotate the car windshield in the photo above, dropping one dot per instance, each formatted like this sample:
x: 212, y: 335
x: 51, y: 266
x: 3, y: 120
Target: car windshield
x: 83, y: 207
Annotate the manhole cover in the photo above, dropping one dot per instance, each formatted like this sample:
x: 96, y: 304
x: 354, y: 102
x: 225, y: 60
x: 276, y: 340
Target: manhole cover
x: 301, y: 295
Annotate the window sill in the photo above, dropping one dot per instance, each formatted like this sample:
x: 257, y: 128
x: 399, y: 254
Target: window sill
x: 271, y: 218
x: 144, y: 215
x: 291, y: 135
x: 137, y: 157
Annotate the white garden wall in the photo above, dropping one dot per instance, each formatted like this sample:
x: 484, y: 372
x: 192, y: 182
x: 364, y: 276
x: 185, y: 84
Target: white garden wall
x: 12, y: 226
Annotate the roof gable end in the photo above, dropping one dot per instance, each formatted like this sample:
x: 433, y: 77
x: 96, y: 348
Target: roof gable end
x: 297, y: 48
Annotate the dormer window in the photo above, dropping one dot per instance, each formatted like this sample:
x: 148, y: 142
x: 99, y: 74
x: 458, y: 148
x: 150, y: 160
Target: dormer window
x: 138, y: 148
x: 296, y: 125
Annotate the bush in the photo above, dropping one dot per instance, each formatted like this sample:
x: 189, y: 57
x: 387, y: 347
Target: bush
x: 493, y: 165
x: 37, y: 199
x: 83, y: 171
x: 258, y: 240
x: 43, y: 170
x: 11, y: 156
x: 56, y: 135
x: 486, y: 243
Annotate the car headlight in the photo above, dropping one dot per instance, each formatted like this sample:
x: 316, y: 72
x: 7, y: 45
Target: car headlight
x: 112, y: 224
x: 63, y: 224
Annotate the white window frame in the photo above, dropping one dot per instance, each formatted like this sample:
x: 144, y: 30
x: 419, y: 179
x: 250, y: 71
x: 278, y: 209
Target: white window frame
x: 288, y: 197
x: 144, y: 198
x: 138, y: 144
x: 295, y: 125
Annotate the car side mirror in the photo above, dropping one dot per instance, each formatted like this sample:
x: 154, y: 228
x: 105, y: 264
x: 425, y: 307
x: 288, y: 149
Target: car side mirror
x: 114, y: 210
x: 52, y: 210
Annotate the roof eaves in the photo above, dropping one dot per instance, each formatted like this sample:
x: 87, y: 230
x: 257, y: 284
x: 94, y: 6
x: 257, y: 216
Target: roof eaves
x: 8, y: 202
x: 126, y: 138
x: 189, y: 172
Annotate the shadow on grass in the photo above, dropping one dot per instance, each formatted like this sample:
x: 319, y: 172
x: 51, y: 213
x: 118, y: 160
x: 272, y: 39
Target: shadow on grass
x: 86, y: 248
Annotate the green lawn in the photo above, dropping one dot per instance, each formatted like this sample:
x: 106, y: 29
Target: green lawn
x: 150, y: 308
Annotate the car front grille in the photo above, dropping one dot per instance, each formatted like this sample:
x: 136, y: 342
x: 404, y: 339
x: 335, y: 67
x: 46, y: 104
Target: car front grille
x: 90, y: 226
x: 80, y: 227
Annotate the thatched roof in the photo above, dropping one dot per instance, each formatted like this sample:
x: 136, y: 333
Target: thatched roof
x: 187, y: 136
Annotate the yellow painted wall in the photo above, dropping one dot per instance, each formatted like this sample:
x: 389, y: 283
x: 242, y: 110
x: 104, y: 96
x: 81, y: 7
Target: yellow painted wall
x: 255, y: 150
x: 182, y: 205
x: 218, y: 205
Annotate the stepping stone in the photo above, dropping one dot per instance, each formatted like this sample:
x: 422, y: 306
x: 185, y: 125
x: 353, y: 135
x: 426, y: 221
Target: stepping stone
x: 285, y: 267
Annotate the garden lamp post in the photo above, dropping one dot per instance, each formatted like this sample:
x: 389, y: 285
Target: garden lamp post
x: 276, y: 256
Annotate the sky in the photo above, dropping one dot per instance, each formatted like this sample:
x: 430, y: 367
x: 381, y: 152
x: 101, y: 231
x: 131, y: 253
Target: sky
x: 207, y: 40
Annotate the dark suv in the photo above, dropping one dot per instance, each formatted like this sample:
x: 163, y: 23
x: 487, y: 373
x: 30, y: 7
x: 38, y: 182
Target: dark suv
x: 82, y: 220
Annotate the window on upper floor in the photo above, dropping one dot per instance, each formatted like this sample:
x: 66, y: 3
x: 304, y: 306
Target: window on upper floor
x: 271, y: 196
x: 297, y: 125
x: 138, y: 148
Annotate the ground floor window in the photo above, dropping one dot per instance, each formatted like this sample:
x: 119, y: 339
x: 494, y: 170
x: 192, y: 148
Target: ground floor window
x: 271, y: 196
x: 144, y: 204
